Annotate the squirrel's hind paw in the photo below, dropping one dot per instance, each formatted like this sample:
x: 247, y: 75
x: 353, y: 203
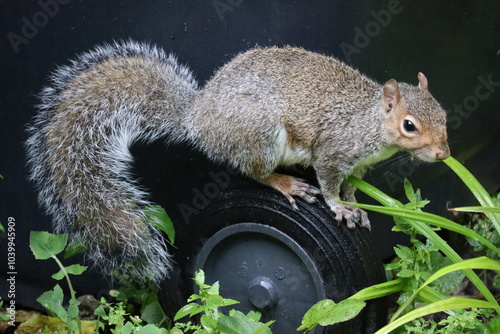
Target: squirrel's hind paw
x: 291, y: 186
x: 361, y: 217
x: 351, y: 214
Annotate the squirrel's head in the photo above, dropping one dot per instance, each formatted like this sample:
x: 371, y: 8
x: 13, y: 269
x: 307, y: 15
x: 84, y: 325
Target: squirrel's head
x: 414, y: 120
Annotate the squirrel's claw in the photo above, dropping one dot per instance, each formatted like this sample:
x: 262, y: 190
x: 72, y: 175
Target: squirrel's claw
x: 352, y: 215
x: 291, y: 186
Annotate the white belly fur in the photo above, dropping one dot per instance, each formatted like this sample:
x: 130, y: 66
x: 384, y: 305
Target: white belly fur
x: 291, y: 155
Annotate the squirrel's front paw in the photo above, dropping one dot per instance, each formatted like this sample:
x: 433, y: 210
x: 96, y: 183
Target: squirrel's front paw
x: 291, y: 186
x: 351, y: 214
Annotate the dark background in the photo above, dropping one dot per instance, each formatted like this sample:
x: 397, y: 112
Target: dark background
x: 455, y: 43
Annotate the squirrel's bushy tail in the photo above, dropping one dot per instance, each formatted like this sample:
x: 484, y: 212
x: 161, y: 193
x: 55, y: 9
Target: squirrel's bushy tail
x: 78, y: 149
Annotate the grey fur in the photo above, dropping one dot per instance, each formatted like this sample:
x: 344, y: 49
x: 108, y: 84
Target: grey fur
x: 78, y: 149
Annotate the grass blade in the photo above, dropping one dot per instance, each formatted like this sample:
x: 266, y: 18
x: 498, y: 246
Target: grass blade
x: 379, y: 290
x: 440, y: 306
x: 479, y: 209
x: 429, y: 218
x: 476, y: 263
x: 475, y: 187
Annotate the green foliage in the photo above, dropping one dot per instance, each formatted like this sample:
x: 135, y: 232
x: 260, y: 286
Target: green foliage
x: 117, y: 317
x: 121, y: 322
x: 74, y: 248
x: 327, y: 312
x: 140, y: 299
x: 207, y: 303
x: 160, y: 219
x: 462, y: 321
x: 44, y: 246
x: 483, y: 225
x: 420, y: 270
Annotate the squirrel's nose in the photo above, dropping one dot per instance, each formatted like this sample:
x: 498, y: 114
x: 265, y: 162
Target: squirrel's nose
x: 443, y: 152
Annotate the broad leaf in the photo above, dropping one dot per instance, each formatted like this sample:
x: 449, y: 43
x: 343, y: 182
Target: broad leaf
x: 241, y: 325
x: 52, y: 301
x: 74, y: 248
x: 45, y: 245
x: 327, y: 312
x: 160, y: 219
x: 153, y: 313
x: 74, y: 269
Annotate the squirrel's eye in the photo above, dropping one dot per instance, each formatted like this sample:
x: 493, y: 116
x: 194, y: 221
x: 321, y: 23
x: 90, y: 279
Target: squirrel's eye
x: 409, y: 126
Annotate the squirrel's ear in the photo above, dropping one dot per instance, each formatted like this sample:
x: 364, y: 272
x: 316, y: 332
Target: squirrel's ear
x: 422, y: 81
x: 391, y: 95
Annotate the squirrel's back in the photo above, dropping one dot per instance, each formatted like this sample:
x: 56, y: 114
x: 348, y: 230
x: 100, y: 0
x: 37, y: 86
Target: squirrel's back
x: 78, y: 149
x: 274, y: 98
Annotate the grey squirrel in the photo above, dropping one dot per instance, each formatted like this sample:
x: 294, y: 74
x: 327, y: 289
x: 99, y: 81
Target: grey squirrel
x: 266, y: 108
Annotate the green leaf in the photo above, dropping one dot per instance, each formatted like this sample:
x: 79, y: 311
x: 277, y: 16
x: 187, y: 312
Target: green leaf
x: 45, y: 245
x: 208, y: 322
x: 228, y: 302
x: 380, y: 290
x: 374, y: 192
x: 73, y: 308
x: 429, y: 218
x: 410, y: 193
x: 405, y: 273
x: 199, y: 278
x: 186, y: 310
x: 152, y: 329
x: 253, y: 315
x: 241, y: 325
x: 403, y: 252
x: 74, y: 269
x: 476, y: 263
x: 52, y: 301
x: 445, y: 285
x: 317, y: 312
x: 2, y: 229
x: 214, y: 289
x: 153, y: 313
x: 193, y: 297
x: 479, y: 209
x: 174, y: 330
x: 100, y: 311
x: 326, y: 312
x: 265, y: 328
x: 440, y: 306
x: 160, y: 219
x: 127, y: 328
x: 213, y: 302
x: 475, y: 187
x: 493, y: 326
x: 74, y: 248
